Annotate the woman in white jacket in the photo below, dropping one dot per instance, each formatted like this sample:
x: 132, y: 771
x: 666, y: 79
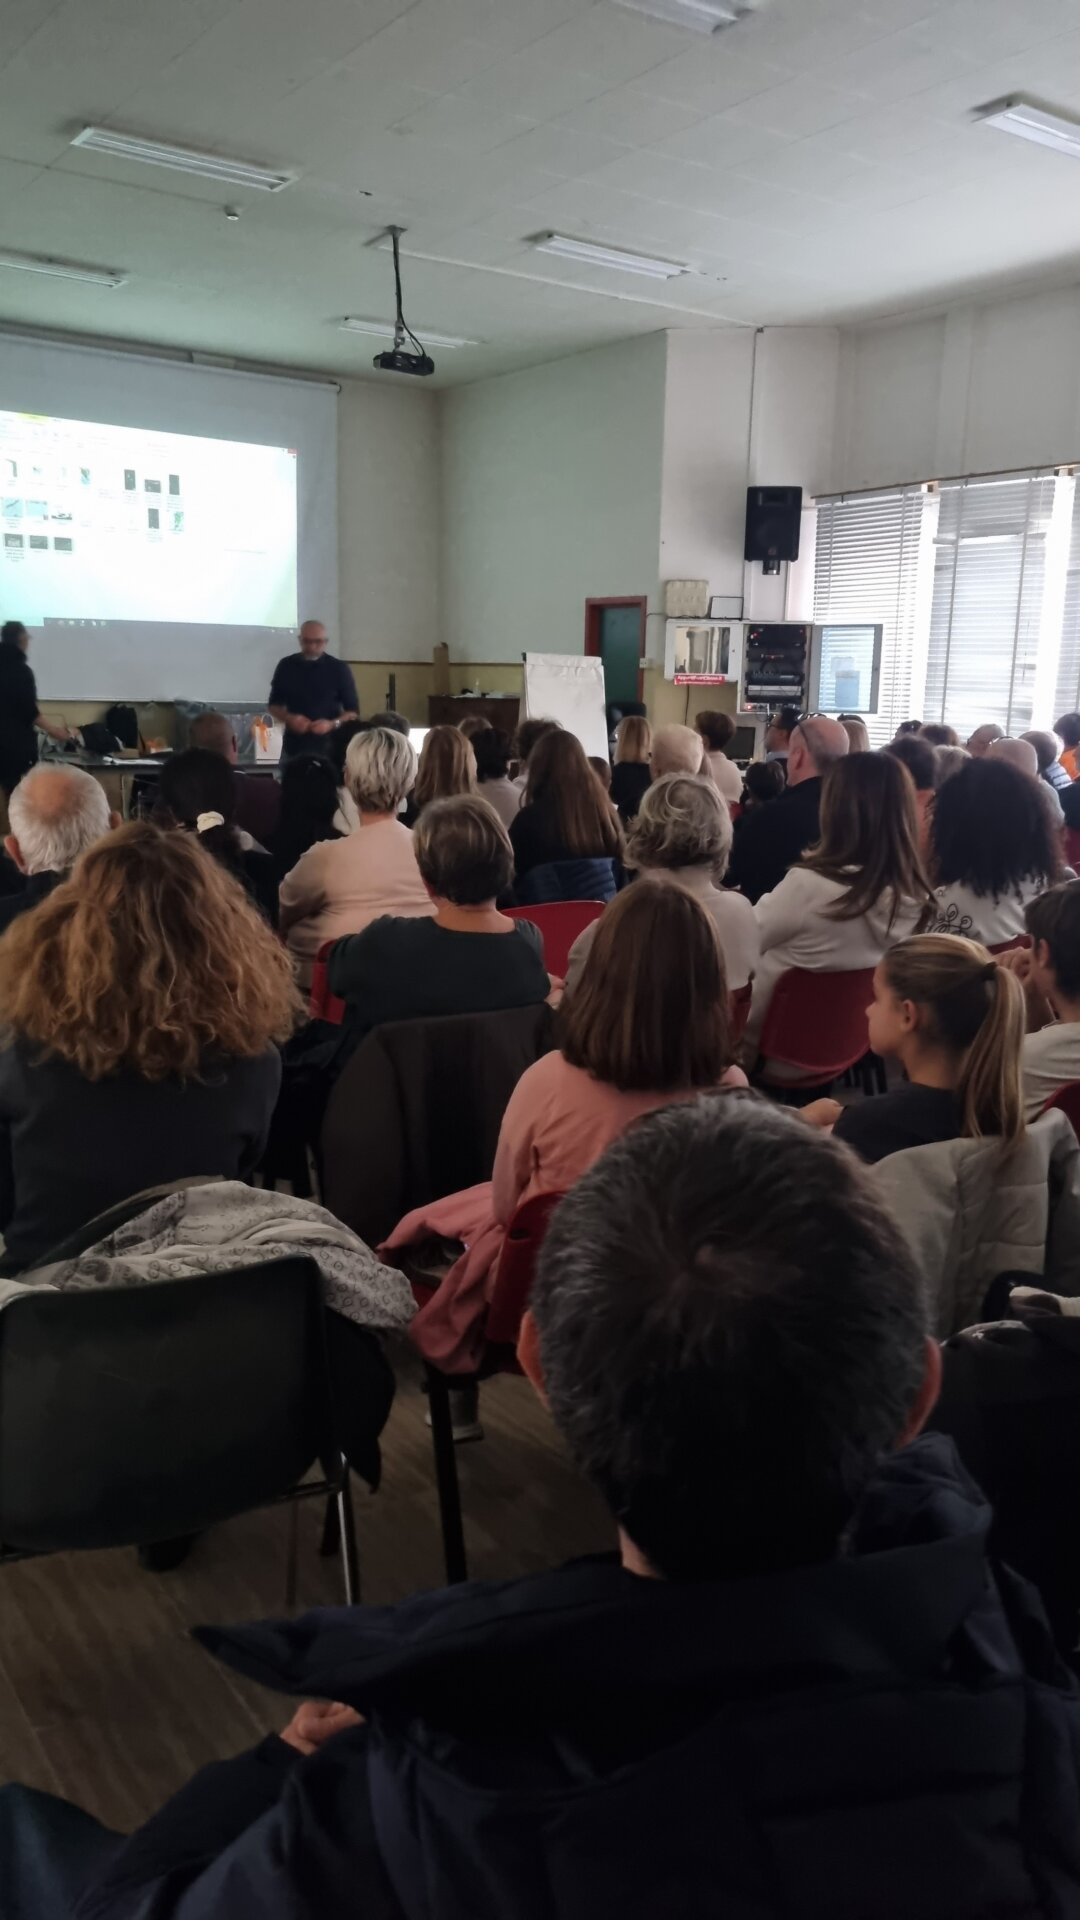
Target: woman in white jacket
x: 862, y: 887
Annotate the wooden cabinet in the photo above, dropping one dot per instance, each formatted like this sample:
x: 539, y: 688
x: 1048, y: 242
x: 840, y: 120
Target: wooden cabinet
x: 450, y: 709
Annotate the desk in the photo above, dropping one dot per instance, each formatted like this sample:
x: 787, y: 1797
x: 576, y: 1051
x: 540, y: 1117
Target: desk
x: 450, y: 709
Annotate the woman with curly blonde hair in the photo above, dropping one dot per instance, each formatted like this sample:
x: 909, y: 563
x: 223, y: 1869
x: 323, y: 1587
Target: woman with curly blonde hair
x: 141, y: 1008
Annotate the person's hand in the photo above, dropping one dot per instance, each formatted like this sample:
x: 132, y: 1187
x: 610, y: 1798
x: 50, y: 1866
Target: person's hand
x: 315, y: 1722
x: 298, y: 723
x: 821, y: 1113
x: 1017, y: 960
x: 321, y: 726
x: 558, y: 988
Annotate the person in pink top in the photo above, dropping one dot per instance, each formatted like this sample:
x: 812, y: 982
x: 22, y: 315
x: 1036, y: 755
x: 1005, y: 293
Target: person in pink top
x: 648, y: 1023
x: 341, y: 886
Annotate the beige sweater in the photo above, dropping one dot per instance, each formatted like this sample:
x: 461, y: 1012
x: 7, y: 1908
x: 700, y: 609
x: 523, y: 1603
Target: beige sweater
x: 341, y: 886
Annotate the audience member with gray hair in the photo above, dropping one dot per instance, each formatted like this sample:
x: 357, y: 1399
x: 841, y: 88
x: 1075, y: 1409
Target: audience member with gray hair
x: 773, y: 838
x: 677, y: 749
x: 341, y: 886
x: 54, y: 813
x: 682, y: 833
x: 1047, y: 752
x: 1023, y: 755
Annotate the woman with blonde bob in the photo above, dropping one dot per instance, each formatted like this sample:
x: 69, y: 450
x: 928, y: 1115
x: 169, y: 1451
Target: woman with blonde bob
x: 682, y: 835
x: 447, y: 766
x: 955, y: 1021
x: 142, y: 1006
x: 340, y: 886
x: 631, y: 773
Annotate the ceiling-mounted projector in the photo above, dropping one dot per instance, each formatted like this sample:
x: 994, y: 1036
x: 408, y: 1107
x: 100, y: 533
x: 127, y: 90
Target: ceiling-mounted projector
x: 399, y: 359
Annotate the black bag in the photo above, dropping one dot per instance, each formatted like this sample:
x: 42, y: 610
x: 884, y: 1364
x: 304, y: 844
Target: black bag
x: 124, y: 723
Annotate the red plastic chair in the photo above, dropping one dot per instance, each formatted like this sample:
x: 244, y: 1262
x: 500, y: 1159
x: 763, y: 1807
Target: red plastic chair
x: 506, y: 1310
x: 1072, y: 847
x: 816, y: 1023
x: 740, y: 998
x: 1007, y: 946
x: 1067, y: 1101
x: 322, y: 1004
x: 559, y: 924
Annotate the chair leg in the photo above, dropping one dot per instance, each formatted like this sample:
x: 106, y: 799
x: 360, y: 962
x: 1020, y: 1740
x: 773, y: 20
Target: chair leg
x: 292, y: 1552
x: 446, y: 1478
x: 350, y: 1559
x: 331, y: 1533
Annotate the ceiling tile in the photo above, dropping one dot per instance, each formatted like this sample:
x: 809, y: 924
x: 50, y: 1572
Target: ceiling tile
x: 449, y: 121
x: 711, y: 76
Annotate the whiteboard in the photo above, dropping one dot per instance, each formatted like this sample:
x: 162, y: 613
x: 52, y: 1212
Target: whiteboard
x: 569, y: 688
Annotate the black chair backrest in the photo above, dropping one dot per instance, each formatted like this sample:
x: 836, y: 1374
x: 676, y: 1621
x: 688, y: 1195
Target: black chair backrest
x: 140, y: 1413
x: 416, y: 1113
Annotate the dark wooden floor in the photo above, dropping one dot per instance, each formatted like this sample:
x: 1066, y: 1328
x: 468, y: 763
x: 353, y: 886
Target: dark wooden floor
x: 104, y: 1697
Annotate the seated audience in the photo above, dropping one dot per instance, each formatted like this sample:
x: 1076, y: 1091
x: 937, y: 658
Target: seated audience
x: 391, y: 718
x: 601, y: 766
x: 492, y: 749
x: 528, y: 734
x: 334, y: 749
x: 340, y: 886
x: 991, y: 851
x: 855, y: 727
x: 473, y: 725
x: 564, y: 819
x: 764, y: 780
x: 920, y: 759
x: 1049, y: 972
x: 1068, y: 732
x: 683, y: 834
x: 648, y: 1022
x: 54, y: 814
x: 258, y: 796
x: 197, y: 794
x: 773, y: 838
x: 718, y: 731
x: 1022, y: 755
x: 860, y: 887
x: 631, y: 773
x: 733, y: 1343
x: 468, y: 957
x: 949, y: 760
x: 142, y: 1004
x: 1047, y: 748
x: 678, y: 749
x: 782, y: 725
x: 907, y: 726
x: 309, y: 806
x: 939, y: 735
x: 983, y: 738
x: 954, y: 1020
x: 447, y: 766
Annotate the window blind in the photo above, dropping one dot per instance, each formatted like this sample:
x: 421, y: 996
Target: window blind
x: 1067, y: 684
x: 986, y: 621
x: 869, y: 548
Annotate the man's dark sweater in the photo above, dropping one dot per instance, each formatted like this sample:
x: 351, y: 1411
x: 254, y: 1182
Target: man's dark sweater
x: 771, y: 838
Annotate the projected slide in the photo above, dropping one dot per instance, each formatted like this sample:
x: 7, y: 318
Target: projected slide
x: 102, y: 524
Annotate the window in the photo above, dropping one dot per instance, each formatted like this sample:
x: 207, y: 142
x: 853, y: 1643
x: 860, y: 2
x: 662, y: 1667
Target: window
x: 977, y: 583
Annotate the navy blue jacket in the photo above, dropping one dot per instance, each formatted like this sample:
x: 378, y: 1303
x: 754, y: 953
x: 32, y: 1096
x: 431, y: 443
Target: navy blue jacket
x: 888, y: 1736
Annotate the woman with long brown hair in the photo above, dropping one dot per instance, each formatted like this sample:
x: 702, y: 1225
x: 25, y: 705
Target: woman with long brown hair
x: 564, y: 822
x: 861, y: 887
x: 447, y: 767
x: 631, y: 774
x: 142, y: 1006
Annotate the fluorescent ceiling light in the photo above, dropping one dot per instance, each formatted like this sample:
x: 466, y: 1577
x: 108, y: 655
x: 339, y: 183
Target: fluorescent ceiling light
x: 209, y: 166
x: 63, y: 269
x: 384, y: 330
x: 701, y: 16
x: 600, y: 256
x: 1019, y: 116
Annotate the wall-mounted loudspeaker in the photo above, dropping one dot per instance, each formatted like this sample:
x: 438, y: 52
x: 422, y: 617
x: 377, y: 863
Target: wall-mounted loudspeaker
x: 773, y: 521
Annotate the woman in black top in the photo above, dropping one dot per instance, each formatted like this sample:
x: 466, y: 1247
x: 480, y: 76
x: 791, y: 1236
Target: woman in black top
x: 20, y: 715
x: 564, y: 815
x: 142, y: 1002
x: 955, y: 1021
x: 309, y: 801
x: 469, y: 958
x: 631, y: 775
x: 197, y: 793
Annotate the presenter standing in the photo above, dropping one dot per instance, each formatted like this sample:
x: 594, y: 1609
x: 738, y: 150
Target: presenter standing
x: 19, y: 711
x: 311, y: 693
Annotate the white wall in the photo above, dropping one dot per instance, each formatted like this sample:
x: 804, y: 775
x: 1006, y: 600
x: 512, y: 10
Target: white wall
x: 980, y: 389
x: 551, y: 495
x: 388, y: 513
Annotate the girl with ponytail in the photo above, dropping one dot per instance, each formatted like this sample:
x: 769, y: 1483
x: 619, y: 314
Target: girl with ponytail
x: 955, y: 1020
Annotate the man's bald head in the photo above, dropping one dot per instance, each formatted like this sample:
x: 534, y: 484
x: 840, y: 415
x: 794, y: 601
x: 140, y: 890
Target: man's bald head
x: 1047, y: 747
x: 983, y: 739
x: 55, y: 813
x: 815, y: 744
x: 1019, y: 753
x: 214, y: 733
x: 313, y: 639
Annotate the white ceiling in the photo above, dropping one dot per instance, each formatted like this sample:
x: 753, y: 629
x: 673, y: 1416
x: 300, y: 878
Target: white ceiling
x: 816, y: 163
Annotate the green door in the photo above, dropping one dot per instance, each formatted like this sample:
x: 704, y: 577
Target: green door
x: 620, y: 650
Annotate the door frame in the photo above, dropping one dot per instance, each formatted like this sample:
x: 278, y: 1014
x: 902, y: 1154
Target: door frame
x: 593, y: 611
